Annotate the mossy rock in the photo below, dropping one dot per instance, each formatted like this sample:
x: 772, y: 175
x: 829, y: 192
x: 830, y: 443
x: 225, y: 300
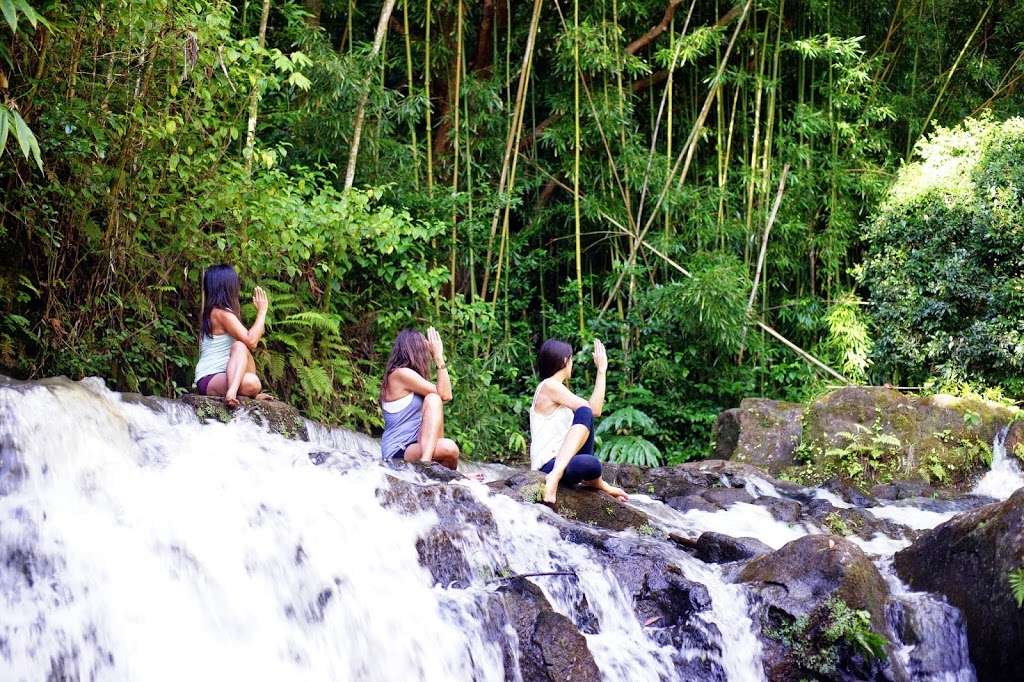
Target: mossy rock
x: 942, y: 439
x: 764, y: 433
x: 276, y: 416
x: 581, y: 504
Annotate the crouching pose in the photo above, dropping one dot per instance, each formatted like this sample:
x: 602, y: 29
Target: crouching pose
x: 562, y: 423
x: 225, y: 366
x: 412, y: 406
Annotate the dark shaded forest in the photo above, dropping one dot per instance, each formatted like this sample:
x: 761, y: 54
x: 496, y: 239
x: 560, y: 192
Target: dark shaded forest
x: 718, y: 191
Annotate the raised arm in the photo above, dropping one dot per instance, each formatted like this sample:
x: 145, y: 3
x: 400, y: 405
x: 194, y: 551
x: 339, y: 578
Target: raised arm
x: 233, y: 326
x: 444, y: 382
x: 601, y: 362
x: 558, y: 393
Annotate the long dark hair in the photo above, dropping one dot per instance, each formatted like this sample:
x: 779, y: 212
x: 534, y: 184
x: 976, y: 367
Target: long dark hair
x: 410, y: 350
x: 220, y: 290
x: 553, y: 355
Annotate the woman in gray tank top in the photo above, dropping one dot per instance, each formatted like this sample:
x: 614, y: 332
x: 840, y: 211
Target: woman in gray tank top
x: 412, y: 405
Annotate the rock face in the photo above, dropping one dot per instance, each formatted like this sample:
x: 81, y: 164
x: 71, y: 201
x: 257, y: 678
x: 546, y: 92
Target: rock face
x: 941, y: 438
x: 968, y: 560
x: 277, y: 416
x: 801, y: 580
x: 717, y: 548
x: 581, y: 504
x: 762, y: 432
x: 551, y: 649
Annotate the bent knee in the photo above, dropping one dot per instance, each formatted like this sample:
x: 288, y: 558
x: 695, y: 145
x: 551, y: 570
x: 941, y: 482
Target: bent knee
x: 239, y: 347
x: 583, y: 416
x: 251, y: 384
x: 433, y: 400
x: 590, y: 468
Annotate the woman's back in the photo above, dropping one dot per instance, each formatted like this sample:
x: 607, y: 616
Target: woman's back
x: 548, y: 428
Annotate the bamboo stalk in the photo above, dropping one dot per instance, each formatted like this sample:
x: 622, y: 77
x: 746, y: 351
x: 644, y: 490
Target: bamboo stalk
x: 409, y: 88
x: 511, y: 145
x: 357, y: 126
x: 455, y: 150
x: 576, y: 158
x: 254, y: 97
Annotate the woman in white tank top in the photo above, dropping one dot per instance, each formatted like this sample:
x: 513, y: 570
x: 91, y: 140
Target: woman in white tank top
x: 562, y: 423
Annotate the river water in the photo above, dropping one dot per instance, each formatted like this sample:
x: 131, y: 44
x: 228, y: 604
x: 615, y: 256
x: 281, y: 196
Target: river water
x: 139, y: 544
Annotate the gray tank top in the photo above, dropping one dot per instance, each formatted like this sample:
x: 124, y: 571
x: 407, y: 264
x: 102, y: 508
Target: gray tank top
x: 401, y: 428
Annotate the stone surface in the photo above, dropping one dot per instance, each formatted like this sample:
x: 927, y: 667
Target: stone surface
x: 718, y: 548
x: 551, y: 649
x: 968, y: 560
x: 275, y: 415
x: 762, y: 432
x: 585, y: 505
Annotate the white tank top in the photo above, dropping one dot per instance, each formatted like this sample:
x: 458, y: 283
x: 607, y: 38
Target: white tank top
x: 547, y: 432
x: 214, y: 352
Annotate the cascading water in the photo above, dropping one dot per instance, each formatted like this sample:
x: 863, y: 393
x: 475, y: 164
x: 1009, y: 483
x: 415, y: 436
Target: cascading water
x: 1004, y: 477
x: 139, y: 544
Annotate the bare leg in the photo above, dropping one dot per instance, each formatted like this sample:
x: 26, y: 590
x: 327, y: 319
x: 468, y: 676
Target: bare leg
x: 608, y: 489
x: 252, y: 379
x: 574, y: 440
x: 237, y: 363
x: 447, y: 453
x: 431, y: 431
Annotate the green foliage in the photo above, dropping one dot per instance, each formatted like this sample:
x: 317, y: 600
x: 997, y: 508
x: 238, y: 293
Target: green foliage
x: 943, y: 264
x: 1016, y: 580
x: 866, y: 455
x: 818, y: 642
x: 621, y: 439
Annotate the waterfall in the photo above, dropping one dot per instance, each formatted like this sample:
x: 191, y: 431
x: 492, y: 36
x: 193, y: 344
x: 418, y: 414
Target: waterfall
x: 139, y: 544
x: 1004, y: 477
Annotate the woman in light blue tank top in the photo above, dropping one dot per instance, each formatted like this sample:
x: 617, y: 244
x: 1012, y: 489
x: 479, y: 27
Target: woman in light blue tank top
x: 226, y: 367
x: 412, y: 405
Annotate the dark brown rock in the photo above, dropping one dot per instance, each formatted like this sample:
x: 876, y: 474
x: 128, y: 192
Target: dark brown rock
x: 782, y: 509
x: 717, y: 548
x: 551, y: 649
x: 762, y: 432
x: 968, y: 560
x: 575, y: 504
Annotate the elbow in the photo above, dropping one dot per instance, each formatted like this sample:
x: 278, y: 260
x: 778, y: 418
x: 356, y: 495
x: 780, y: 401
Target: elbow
x: 446, y: 397
x: 251, y: 343
x: 595, y: 409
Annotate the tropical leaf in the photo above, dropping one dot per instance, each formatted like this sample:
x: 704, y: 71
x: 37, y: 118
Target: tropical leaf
x: 635, y: 450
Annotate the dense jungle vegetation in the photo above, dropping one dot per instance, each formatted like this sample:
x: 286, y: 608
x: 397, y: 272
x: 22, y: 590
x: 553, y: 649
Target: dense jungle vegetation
x: 708, y: 187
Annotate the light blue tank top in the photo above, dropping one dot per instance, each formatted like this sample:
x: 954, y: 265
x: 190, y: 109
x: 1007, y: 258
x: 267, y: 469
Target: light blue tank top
x: 214, y: 352
x: 401, y: 428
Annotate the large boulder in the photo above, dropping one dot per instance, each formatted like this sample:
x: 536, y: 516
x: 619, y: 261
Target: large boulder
x: 941, y: 438
x: 718, y: 548
x: 575, y: 504
x: 275, y: 415
x: 968, y: 559
x: 762, y: 432
x: 799, y: 590
x: 551, y: 649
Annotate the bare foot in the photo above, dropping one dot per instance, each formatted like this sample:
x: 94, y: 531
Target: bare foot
x: 550, y: 490
x: 264, y: 396
x: 231, y: 402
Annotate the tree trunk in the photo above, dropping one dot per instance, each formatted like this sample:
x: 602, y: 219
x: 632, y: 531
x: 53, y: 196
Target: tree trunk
x: 254, y: 98
x: 357, y: 129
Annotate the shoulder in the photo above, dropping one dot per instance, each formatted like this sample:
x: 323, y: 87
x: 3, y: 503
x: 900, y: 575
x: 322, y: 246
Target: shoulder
x: 405, y: 374
x: 219, y: 314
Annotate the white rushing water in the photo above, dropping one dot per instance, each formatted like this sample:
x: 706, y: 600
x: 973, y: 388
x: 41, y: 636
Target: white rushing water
x: 1004, y: 477
x: 139, y: 544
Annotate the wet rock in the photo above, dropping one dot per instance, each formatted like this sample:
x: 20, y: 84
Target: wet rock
x: 852, y: 521
x: 275, y: 415
x: 799, y: 585
x: 581, y: 504
x: 626, y: 476
x: 723, y: 498
x: 782, y: 509
x: 762, y: 432
x: 1015, y: 438
x: 717, y: 548
x: 968, y: 560
x: 934, y: 633
x: 460, y: 520
x: 809, y: 570
x: 686, y: 503
x: 849, y: 493
x: 902, y: 489
x: 551, y: 649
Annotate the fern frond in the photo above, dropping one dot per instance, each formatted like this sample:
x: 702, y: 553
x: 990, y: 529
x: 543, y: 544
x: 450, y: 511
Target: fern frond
x: 1016, y: 578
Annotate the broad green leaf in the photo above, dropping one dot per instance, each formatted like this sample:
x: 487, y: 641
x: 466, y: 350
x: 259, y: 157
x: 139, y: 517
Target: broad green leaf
x: 29, y: 12
x: 10, y: 14
x: 22, y: 133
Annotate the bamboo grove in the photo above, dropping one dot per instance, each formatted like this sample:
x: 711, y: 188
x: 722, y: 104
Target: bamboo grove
x: 687, y: 179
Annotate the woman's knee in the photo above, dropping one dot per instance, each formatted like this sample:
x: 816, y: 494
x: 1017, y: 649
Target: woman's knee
x: 432, y: 401
x: 583, y: 416
x: 239, y: 347
x: 589, y: 467
x: 251, y: 384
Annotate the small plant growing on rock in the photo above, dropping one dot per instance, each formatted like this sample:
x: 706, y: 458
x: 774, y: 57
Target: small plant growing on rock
x: 835, y: 524
x: 866, y: 454
x: 646, y: 530
x: 1016, y: 578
